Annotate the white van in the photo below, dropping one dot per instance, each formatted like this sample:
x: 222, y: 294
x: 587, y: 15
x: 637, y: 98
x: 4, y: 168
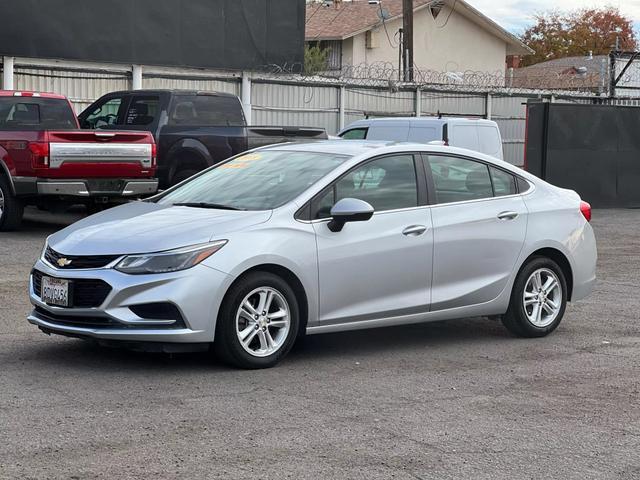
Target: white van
x: 474, y: 134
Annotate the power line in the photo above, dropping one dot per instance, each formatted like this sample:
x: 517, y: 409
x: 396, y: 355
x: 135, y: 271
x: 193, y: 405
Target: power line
x: 448, y: 16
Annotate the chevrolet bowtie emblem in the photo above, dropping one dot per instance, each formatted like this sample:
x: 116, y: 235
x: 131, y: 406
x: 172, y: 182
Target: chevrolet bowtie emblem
x: 63, y: 262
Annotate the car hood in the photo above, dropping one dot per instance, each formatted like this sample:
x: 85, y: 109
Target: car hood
x: 143, y: 227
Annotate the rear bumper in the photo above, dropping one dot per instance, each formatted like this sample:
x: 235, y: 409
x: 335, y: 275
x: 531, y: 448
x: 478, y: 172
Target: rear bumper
x: 84, y: 188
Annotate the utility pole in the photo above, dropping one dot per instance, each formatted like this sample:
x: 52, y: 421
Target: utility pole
x: 407, y: 44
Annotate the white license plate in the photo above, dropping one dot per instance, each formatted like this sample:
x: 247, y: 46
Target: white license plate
x: 55, y: 291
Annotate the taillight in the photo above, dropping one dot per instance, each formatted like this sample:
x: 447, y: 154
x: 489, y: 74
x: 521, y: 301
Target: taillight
x: 39, y: 154
x: 585, y: 209
x: 154, y: 154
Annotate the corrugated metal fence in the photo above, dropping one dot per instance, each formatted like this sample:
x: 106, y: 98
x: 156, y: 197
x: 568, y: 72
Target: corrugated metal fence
x: 276, y: 101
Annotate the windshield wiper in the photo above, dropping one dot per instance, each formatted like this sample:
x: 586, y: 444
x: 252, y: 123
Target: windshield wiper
x: 217, y: 206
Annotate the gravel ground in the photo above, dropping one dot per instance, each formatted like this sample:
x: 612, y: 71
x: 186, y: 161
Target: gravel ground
x: 457, y: 399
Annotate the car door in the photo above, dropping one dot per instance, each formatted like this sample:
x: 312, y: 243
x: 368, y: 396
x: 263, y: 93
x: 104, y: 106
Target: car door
x: 479, y: 227
x: 381, y: 267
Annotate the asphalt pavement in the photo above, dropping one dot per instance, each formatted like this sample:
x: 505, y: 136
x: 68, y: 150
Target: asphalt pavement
x: 450, y: 400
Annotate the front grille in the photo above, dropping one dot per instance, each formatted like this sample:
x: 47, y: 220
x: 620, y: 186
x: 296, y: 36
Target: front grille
x: 75, y: 261
x: 85, y: 293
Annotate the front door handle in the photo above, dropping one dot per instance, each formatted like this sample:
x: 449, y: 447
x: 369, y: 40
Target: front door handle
x: 414, y: 230
x: 507, y: 215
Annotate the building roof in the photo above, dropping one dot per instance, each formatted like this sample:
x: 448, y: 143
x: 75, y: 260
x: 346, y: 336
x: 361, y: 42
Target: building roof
x: 349, y: 18
x: 569, y: 73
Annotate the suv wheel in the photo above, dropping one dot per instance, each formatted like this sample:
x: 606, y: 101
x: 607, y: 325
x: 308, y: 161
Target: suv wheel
x: 538, y: 299
x: 258, y: 322
x: 11, y: 208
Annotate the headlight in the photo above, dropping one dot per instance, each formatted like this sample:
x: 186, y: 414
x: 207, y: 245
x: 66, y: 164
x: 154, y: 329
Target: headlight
x: 169, y: 261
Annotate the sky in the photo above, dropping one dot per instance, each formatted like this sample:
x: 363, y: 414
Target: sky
x: 515, y: 15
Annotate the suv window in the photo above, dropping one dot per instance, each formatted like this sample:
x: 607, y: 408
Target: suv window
x: 387, y: 183
x: 104, y: 115
x: 459, y: 179
x: 212, y: 110
x: 355, y: 134
x: 29, y: 113
x: 142, y: 110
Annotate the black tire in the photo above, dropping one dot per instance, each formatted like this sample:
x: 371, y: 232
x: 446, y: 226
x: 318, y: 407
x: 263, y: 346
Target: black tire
x: 516, y: 319
x: 227, y: 345
x: 11, y: 209
x: 182, y: 175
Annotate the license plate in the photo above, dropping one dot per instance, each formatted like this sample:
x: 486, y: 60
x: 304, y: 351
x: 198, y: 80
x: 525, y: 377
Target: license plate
x: 105, y: 186
x: 55, y: 291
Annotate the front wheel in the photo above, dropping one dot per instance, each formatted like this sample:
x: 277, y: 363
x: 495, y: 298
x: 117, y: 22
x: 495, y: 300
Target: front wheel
x: 258, y: 322
x: 538, y: 299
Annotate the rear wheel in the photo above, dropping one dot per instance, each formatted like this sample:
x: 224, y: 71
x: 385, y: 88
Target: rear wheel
x: 258, y: 322
x: 538, y: 299
x: 11, y: 208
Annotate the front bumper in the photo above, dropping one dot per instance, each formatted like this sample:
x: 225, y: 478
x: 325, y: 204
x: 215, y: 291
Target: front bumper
x: 196, y: 293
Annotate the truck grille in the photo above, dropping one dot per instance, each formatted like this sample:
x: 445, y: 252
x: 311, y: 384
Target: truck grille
x: 75, y: 262
x: 85, y: 293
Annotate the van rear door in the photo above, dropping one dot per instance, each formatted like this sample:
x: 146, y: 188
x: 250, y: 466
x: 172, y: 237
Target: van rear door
x: 464, y: 135
x: 490, y: 140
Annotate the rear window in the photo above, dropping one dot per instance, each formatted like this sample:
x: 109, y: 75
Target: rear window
x: 211, y: 110
x: 33, y: 113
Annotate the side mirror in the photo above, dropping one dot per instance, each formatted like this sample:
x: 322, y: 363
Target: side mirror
x: 349, y: 210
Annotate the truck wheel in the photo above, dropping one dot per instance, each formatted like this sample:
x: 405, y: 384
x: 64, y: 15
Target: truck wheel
x: 11, y: 208
x: 182, y: 175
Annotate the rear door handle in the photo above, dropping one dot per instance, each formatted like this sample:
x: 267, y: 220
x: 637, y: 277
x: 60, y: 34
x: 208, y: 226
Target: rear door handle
x: 507, y: 215
x: 414, y: 230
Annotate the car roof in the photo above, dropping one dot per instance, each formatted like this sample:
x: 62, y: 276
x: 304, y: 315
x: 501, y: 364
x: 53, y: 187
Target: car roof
x: 418, y: 121
x: 27, y: 93
x: 172, y: 91
x: 350, y: 148
x: 358, y: 149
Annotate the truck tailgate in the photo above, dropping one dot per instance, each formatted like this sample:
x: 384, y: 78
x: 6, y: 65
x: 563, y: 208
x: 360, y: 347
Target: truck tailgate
x: 100, y: 153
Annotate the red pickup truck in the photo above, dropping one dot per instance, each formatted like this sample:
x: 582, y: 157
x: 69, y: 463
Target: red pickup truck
x: 46, y: 159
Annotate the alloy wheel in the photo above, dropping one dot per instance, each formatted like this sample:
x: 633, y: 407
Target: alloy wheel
x: 1, y: 203
x: 542, y: 297
x: 263, y: 322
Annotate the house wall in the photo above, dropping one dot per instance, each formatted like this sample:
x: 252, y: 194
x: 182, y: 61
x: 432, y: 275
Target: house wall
x: 458, y: 46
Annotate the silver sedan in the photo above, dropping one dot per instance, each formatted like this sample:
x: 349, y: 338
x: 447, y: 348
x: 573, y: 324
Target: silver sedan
x: 290, y: 240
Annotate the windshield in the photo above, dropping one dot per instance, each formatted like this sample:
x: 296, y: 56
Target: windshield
x: 255, y: 181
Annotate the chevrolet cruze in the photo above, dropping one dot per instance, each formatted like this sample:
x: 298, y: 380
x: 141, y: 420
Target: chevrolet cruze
x: 288, y: 240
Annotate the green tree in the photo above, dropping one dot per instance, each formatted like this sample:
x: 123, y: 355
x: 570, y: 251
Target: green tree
x: 315, y: 59
x: 558, y: 35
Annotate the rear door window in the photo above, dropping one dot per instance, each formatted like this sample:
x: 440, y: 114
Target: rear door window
x: 33, y: 113
x: 143, y: 110
x: 211, y: 110
x: 503, y: 183
x: 459, y: 179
